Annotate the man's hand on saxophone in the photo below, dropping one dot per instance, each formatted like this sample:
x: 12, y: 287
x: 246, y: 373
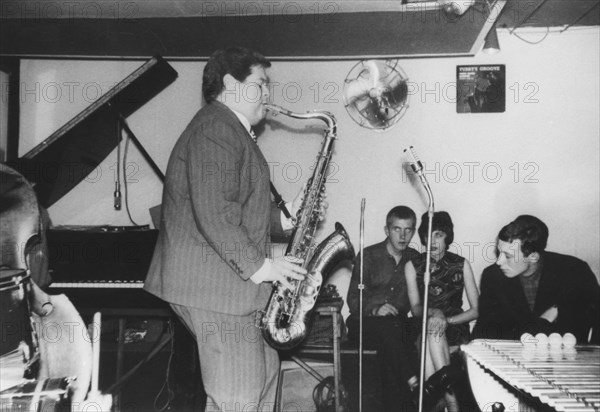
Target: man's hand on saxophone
x: 323, y: 205
x: 284, y: 267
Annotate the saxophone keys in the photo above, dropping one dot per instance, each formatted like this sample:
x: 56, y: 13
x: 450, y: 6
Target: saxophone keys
x: 260, y: 318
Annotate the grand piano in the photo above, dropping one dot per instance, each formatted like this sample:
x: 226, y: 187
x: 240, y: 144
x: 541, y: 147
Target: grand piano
x: 101, y: 268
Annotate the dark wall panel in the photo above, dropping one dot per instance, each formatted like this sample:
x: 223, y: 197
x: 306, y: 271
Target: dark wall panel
x: 345, y: 35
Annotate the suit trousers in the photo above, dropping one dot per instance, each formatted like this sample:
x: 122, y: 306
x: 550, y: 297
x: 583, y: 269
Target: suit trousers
x: 239, y: 369
x: 394, y: 339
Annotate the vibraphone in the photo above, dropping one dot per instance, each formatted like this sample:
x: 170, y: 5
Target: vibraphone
x: 515, y: 377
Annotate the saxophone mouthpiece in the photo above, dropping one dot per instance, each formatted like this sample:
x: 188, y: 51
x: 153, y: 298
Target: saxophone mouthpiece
x: 274, y: 110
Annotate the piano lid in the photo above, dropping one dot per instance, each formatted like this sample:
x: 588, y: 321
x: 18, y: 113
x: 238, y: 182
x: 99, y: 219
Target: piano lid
x: 60, y: 162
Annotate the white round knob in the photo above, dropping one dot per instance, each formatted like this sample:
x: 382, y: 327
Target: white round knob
x: 569, y: 340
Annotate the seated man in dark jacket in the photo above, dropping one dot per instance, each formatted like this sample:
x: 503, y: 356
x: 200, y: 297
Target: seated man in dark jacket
x: 531, y: 290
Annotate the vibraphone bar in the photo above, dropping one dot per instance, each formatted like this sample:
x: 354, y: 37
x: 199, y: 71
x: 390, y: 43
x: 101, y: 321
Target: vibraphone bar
x: 564, y: 378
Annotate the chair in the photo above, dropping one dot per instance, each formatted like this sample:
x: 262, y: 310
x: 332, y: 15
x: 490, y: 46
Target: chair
x: 336, y: 309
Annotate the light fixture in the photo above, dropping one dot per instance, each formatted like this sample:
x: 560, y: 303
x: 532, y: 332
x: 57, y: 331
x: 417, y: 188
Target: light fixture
x: 455, y: 7
x: 491, y: 45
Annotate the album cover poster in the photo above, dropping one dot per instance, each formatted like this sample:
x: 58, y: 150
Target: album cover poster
x: 480, y: 89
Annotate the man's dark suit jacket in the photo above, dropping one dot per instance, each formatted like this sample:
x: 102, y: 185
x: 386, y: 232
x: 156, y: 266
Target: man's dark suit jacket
x: 215, y: 221
x: 566, y: 282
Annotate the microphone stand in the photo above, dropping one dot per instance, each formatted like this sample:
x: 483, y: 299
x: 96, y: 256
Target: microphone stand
x: 417, y: 167
x: 361, y: 287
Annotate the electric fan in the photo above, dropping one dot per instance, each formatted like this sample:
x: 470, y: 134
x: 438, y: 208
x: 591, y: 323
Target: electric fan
x: 376, y: 93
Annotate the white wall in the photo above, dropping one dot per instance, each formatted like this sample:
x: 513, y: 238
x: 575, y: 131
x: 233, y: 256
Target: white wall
x: 540, y: 157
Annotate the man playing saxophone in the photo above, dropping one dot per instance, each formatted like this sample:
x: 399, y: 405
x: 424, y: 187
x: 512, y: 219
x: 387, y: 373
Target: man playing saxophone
x: 210, y: 259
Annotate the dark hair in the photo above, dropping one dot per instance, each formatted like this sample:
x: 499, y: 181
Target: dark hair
x: 531, y: 231
x: 441, y: 221
x: 236, y: 61
x: 400, y: 212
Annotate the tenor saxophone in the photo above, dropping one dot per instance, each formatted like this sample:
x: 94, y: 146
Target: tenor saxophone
x: 285, y: 320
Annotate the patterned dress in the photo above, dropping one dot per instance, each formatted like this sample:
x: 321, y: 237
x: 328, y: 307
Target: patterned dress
x: 446, y: 287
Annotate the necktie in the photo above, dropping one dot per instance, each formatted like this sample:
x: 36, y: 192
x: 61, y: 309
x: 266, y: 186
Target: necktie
x: 252, y: 135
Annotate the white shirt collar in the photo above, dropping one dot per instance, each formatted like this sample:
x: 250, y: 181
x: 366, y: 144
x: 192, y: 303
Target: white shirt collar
x: 245, y: 122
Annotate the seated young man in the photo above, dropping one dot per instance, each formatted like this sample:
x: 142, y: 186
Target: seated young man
x: 532, y: 290
x: 385, y: 307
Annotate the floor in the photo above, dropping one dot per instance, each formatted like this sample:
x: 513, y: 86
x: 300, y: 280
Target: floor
x: 148, y: 390
x: 169, y: 383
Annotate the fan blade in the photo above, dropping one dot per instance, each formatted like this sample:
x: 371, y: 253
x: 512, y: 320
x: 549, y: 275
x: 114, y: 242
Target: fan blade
x: 394, y: 80
x: 387, y: 78
x: 356, y: 89
x: 375, y: 73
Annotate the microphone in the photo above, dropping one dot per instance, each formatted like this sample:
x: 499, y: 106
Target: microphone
x: 416, y: 164
x: 117, y: 196
x: 417, y: 167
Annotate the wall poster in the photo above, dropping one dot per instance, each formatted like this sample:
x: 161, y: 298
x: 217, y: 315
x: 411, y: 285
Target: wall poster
x: 480, y: 89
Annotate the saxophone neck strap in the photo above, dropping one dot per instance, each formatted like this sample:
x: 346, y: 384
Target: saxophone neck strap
x: 279, y: 201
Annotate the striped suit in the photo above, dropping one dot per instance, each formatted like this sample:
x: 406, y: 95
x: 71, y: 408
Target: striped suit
x: 213, y: 236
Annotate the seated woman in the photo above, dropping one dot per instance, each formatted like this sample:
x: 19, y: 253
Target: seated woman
x: 451, y: 274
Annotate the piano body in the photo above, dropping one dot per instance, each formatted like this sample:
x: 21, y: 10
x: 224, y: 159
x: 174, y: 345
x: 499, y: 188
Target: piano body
x: 91, y: 263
